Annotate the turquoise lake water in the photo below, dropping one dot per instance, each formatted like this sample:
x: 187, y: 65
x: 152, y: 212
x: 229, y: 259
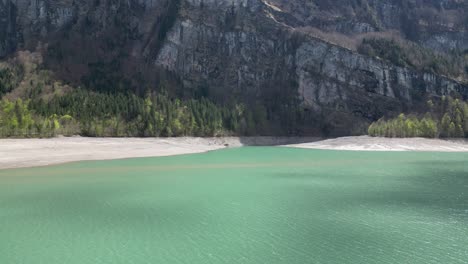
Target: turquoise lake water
x: 243, y: 205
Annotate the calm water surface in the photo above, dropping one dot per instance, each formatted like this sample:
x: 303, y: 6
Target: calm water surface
x: 246, y: 205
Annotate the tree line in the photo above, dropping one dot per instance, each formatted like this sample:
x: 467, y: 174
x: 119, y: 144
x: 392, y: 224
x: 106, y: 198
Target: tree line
x: 87, y: 113
x: 447, y: 118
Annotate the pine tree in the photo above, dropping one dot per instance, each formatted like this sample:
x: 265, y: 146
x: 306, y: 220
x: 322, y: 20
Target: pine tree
x: 445, y: 126
x: 452, y: 130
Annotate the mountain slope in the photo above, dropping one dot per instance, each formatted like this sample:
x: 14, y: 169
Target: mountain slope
x: 281, y: 55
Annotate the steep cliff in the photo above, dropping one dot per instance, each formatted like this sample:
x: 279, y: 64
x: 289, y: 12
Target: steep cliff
x: 435, y: 24
x: 245, y: 50
x: 251, y: 51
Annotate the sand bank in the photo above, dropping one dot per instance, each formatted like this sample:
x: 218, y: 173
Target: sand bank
x: 366, y: 143
x: 16, y: 153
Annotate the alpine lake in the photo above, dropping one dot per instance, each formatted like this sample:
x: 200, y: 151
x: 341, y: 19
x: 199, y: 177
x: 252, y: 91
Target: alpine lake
x: 240, y: 205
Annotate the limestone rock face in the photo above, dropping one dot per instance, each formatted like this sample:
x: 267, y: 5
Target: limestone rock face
x: 440, y: 25
x: 250, y: 49
x: 240, y: 51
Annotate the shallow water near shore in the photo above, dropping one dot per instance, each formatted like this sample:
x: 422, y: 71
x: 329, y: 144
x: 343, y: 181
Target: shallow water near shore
x: 240, y: 205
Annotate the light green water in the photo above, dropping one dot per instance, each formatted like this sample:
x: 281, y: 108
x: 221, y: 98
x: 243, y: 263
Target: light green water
x: 246, y: 205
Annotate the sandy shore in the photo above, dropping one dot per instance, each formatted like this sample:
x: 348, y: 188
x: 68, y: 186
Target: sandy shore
x: 366, y: 143
x: 16, y: 153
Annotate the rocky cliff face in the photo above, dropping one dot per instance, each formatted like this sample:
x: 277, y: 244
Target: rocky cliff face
x: 245, y: 49
x: 7, y: 27
x: 250, y: 50
x: 436, y: 24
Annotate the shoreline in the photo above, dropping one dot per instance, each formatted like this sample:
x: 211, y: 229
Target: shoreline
x: 367, y: 143
x: 25, y: 153
x: 22, y: 153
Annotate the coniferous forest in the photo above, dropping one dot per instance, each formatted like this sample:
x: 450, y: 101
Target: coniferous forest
x: 123, y: 115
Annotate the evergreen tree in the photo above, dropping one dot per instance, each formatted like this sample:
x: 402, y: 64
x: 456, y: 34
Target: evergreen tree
x: 445, y: 126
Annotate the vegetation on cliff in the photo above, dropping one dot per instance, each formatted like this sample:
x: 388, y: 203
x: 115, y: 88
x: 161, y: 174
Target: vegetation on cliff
x: 6, y: 81
x: 406, y: 54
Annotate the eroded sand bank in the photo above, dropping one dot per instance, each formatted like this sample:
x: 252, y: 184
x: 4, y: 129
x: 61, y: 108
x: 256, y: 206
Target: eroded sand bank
x: 16, y: 153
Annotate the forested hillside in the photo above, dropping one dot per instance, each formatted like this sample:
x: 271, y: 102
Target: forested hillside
x: 52, y: 108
